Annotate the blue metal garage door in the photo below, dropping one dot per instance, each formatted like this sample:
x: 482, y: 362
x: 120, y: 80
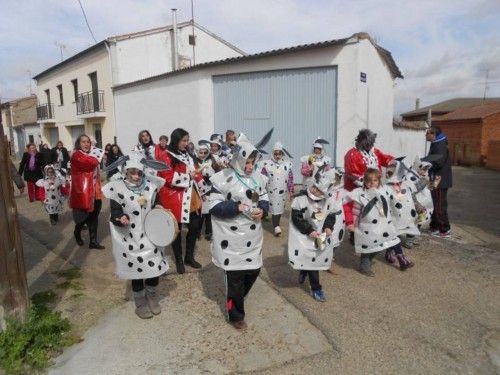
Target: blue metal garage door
x: 301, y: 104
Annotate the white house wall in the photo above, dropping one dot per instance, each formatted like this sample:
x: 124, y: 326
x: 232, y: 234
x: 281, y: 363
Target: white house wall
x: 187, y: 98
x: 151, y: 55
x: 159, y: 108
x: 409, y: 143
x: 65, y: 115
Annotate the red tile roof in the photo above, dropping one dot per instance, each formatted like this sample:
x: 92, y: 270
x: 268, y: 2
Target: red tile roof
x: 469, y: 113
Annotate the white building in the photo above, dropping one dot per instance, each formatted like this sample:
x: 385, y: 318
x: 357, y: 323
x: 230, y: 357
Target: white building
x: 75, y: 96
x: 330, y: 89
x: 19, y: 123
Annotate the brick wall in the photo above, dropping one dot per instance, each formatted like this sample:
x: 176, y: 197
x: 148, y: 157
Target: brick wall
x: 493, y: 156
x: 464, y: 140
x: 491, y: 132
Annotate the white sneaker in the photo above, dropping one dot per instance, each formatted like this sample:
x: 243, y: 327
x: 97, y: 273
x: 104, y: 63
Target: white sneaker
x: 277, y: 231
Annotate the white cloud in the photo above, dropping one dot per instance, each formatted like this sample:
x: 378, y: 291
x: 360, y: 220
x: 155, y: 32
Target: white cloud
x: 442, y: 49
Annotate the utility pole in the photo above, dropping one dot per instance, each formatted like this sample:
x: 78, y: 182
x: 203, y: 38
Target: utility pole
x: 485, y: 85
x: 13, y: 284
x: 61, y: 47
x: 29, y: 77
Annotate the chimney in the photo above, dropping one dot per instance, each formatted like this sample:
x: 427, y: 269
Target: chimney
x: 417, y: 103
x: 176, y: 45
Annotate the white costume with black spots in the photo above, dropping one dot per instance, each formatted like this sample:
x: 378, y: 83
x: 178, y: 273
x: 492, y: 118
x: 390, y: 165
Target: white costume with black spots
x: 277, y: 186
x: 401, y: 199
x: 54, y: 198
x: 314, y: 161
x: 403, y: 208
x: 204, y: 187
x: 423, y: 194
x: 375, y: 230
x: 302, y: 251
x: 237, y: 241
x: 336, y: 200
x: 136, y: 257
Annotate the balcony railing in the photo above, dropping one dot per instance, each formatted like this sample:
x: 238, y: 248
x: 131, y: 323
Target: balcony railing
x: 45, y: 111
x: 90, y: 102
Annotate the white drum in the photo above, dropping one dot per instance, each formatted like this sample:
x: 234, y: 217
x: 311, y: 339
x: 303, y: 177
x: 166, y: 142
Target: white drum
x: 161, y: 227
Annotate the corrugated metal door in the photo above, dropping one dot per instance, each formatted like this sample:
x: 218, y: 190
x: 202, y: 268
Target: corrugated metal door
x: 300, y: 104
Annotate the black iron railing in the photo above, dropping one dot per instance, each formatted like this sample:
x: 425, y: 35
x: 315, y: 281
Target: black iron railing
x: 45, y: 111
x: 90, y: 102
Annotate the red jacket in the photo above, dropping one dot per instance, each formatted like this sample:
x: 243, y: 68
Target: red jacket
x: 85, y: 182
x: 176, y: 194
x: 355, y: 166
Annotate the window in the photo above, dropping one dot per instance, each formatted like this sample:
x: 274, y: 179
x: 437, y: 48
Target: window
x: 47, y: 93
x: 74, y: 82
x: 61, y: 99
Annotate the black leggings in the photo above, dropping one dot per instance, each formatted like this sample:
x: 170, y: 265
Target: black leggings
x: 138, y: 284
x: 92, y: 220
x: 275, y: 220
x: 313, y: 278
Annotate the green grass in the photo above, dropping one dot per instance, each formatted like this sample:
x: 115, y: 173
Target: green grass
x: 31, y: 345
x: 70, y: 275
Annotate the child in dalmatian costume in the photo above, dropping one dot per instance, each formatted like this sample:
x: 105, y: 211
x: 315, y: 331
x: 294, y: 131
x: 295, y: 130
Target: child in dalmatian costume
x: 238, y: 202
x: 312, y: 236
x: 337, y: 195
x: 369, y: 217
x: 280, y: 183
x: 205, y: 163
x: 53, y: 184
x: 220, y: 160
x: 311, y: 163
x: 402, y: 203
x: 136, y: 257
x: 418, y: 175
x: 145, y: 144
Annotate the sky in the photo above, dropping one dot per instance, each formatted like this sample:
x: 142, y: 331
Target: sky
x: 444, y: 48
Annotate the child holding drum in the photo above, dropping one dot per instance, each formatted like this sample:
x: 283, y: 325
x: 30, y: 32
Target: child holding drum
x: 136, y: 257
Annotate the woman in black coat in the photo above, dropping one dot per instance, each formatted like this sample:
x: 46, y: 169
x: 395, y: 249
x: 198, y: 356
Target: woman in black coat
x: 31, y: 168
x: 59, y: 154
x: 113, y: 155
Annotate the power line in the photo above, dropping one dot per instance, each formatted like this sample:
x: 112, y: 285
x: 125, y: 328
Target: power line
x: 86, y: 21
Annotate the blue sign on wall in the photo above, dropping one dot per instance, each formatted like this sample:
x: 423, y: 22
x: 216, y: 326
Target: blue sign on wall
x: 362, y: 77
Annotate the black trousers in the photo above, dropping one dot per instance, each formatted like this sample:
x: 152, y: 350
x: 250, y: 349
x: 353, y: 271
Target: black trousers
x: 138, y: 284
x: 275, y: 219
x: 313, y: 278
x: 238, y: 284
x: 191, y: 236
x: 439, y: 218
x: 92, y: 221
x: 207, y: 219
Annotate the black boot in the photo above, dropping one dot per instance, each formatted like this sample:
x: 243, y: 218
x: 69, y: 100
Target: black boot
x: 78, y: 234
x: 193, y: 230
x: 177, y: 250
x: 189, y: 259
x: 93, y: 236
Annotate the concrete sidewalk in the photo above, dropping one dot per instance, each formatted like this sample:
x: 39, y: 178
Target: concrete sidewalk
x: 190, y: 336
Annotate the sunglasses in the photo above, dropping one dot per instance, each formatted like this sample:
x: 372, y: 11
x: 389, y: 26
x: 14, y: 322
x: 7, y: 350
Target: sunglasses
x: 277, y: 153
x: 203, y: 152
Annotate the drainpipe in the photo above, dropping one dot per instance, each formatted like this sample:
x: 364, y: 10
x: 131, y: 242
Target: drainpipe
x: 176, y: 45
x: 113, y: 78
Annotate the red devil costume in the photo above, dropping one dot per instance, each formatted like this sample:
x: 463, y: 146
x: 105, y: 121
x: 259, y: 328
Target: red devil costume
x: 361, y: 157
